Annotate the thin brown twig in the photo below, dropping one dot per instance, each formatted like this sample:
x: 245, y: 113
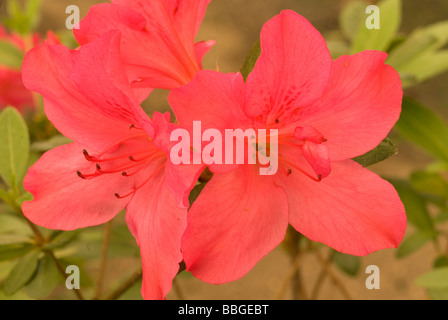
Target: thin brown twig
x: 292, y: 271
x: 320, y: 280
x: 133, y: 279
x: 103, y: 261
x: 326, y: 267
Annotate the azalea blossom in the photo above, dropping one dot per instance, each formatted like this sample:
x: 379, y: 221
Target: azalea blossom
x: 12, y: 91
x: 158, y: 36
x: 326, y: 113
x: 118, y: 158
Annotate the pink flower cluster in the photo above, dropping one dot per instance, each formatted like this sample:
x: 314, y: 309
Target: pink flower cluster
x: 326, y: 112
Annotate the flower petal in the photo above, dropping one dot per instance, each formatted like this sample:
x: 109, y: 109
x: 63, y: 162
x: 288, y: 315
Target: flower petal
x: 292, y: 70
x: 352, y: 210
x: 82, y: 113
x: 233, y: 224
x: 157, y: 224
x: 62, y: 200
x: 157, y: 38
x: 360, y: 105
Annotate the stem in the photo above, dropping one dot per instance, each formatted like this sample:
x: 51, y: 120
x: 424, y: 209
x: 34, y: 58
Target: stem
x: 298, y: 291
x: 294, y: 267
x: 326, y: 267
x: 103, y: 262
x: 133, y: 279
x: 62, y: 272
x: 320, y: 279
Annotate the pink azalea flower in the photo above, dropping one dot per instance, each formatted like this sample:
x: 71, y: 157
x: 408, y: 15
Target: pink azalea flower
x: 12, y: 91
x: 326, y: 112
x: 117, y: 160
x: 157, y: 38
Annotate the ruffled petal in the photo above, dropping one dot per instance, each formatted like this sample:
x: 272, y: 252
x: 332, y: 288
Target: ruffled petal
x: 292, y: 70
x: 360, y: 105
x: 62, y: 200
x: 233, y: 224
x: 352, y: 210
x: 157, y: 224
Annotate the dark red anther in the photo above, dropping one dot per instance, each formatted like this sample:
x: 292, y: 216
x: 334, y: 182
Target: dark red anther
x: 277, y: 121
x: 131, y: 158
x: 80, y: 174
x: 289, y: 172
x: 98, y: 167
x: 319, y: 177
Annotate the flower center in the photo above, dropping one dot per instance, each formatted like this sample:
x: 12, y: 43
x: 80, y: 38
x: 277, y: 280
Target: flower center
x: 127, y: 157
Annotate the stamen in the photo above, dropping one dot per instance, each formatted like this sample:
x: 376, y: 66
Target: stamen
x: 140, y: 186
x: 319, y: 177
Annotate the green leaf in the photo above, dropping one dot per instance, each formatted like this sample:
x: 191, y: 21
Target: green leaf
x: 14, y: 250
x: 352, y: 18
x: 21, y: 273
x: 194, y: 194
x: 53, y: 142
x: 45, y: 280
x: 435, y: 279
x: 23, y: 20
x: 14, y: 146
x: 441, y: 262
x: 438, y: 294
x: 61, y: 239
x: 251, y: 59
x: 380, y: 39
x: 421, y: 42
x: 423, y: 127
x: 431, y: 183
x: 424, y: 67
x: 10, y: 55
x: 414, y: 204
x: 384, y: 150
x: 347, y: 263
x: 414, y: 242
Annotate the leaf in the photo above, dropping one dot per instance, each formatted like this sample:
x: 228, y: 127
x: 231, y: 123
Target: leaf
x: 14, y: 250
x: 251, y: 60
x: 421, y: 42
x: 429, y: 183
x: 440, y: 262
x: 61, y: 239
x: 347, y: 263
x: 423, y: 127
x: 53, y: 142
x: 414, y: 204
x: 14, y: 146
x: 10, y: 55
x: 435, y: 279
x: 45, y: 280
x: 414, y: 242
x: 194, y: 194
x: 380, y: 39
x: 21, y: 273
x: 438, y: 294
x: 352, y: 17
x: 384, y: 150
x: 424, y: 67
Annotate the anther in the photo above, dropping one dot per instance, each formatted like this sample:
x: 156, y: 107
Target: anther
x: 80, y: 174
x: 98, y: 167
x: 131, y: 158
x: 124, y: 174
x: 87, y: 155
x: 117, y: 195
x: 277, y: 121
x: 319, y: 177
x: 289, y: 172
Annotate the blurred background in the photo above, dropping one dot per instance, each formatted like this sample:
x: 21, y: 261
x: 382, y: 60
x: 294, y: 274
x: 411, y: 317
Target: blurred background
x: 235, y: 25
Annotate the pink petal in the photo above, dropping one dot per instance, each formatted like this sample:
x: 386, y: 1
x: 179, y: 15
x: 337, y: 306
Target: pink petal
x: 157, y: 38
x: 360, y: 105
x: 215, y: 99
x: 317, y: 157
x: 352, y: 210
x: 62, y: 200
x: 157, y: 224
x: 233, y: 224
x: 95, y: 116
x: 292, y: 70
x: 12, y: 91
